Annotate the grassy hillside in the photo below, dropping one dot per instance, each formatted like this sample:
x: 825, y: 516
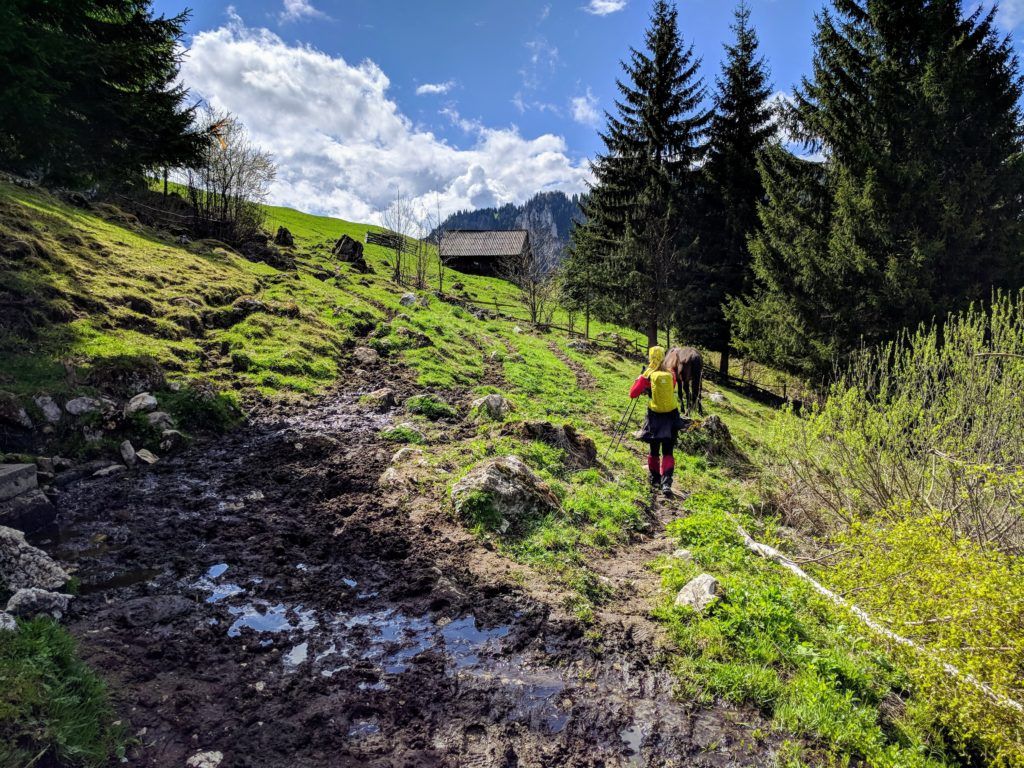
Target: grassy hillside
x: 84, y: 292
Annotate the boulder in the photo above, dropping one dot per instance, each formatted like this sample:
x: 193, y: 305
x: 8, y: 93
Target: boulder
x: 366, y: 356
x: 381, y: 399
x: 503, y: 495
x: 580, y: 450
x: 51, y: 411
x: 28, y: 512
x: 141, y: 403
x: 80, y: 406
x: 128, y: 453
x: 160, y: 420
x: 408, y: 300
x: 7, y: 622
x: 23, y: 566
x: 717, y: 398
x: 406, y: 467
x: 284, y: 237
x: 683, y: 554
x: 147, y: 456
x: 580, y: 345
x: 172, y: 441
x: 16, y: 479
x: 351, y: 252
x: 699, y: 593
x: 12, y: 412
x: 490, y: 408
x: 29, y: 603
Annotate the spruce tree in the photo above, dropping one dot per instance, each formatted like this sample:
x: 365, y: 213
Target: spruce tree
x: 741, y: 128
x: 915, y: 108
x: 88, y: 90
x: 646, y: 175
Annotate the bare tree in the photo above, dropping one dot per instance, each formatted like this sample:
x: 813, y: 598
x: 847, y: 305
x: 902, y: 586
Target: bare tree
x: 230, y: 181
x: 536, y: 283
x: 400, y: 219
x: 442, y: 262
x: 426, y: 223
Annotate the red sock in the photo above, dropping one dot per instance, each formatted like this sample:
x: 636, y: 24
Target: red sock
x: 668, y: 463
x: 652, y: 464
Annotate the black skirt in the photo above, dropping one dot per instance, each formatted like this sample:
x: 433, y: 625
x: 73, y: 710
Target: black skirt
x: 660, y: 426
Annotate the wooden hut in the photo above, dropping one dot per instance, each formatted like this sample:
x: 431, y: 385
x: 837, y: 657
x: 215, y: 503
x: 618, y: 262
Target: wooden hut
x: 481, y: 251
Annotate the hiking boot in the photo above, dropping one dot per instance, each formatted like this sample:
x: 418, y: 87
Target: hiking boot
x: 656, y: 480
x: 666, y: 484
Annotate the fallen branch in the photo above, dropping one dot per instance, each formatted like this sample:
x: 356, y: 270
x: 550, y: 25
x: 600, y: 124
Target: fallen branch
x: 770, y: 553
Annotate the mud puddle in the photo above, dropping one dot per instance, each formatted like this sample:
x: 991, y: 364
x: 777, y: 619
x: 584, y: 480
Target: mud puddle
x: 263, y: 597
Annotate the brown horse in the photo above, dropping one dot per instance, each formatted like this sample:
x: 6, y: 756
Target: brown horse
x: 688, y: 366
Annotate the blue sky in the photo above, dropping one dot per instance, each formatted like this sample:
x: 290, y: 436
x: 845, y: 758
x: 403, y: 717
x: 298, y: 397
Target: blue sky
x: 456, y: 103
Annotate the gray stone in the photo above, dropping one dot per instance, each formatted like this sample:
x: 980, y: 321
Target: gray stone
x: 28, y: 512
x: 351, y: 252
x: 16, y: 479
x: 492, y: 407
x: 381, y: 399
x: 141, y: 403
x: 29, y: 603
x: 503, y: 494
x: 51, y: 411
x: 45, y: 464
x: 172, y: 441
x: 23, y: 566
x: 128, y: 453
x: 7, y: 622
x: 147, y: 456
x: 12, y: 412
x: 717, y: 398
x: 366, y: 356
x: 160, y: 420
x: 82, y: 405
x: 114, y: 469
x: 683, y: 554
x: 284, y: 237
x: 700, y: 593
x: 408, y: 300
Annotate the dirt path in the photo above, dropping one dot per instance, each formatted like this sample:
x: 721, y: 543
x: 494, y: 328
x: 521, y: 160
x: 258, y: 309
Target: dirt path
x: 584, y: 379
x: 263, y: 596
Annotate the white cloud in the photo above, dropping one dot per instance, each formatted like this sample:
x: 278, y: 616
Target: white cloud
x: 342, y: 145
x: 299, y: 9
x: 604, y: 7
x: 584, y: 109
x: 435, y: 88
x: 543, y: 60
x: 1011, y: 14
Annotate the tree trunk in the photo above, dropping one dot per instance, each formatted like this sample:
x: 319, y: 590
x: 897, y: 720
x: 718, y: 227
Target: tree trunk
x: 586, y: 332
x: 723, y: 365
x: 652, y: 331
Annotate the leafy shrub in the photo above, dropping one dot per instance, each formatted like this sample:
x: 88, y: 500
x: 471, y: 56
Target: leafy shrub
x: 402, y: 434
x: 199, y: 407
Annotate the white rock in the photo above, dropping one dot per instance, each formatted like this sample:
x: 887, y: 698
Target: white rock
x: 7, y: 622
x: 717, y: 398
x: 141, y: 403
x: 683, y: 554
x: 22, y: 565
x: 29, y: 603
x: 408, y: 300
x: 51, y: 411
x: 82, y: 405
x: 128, y: 453
x: 113, y: 469
x: 510, y: 491
x: 160, y: 420
x: 205, y: 760
x: 147, y: 456
x: 494, y: 407
x: 699, y: 593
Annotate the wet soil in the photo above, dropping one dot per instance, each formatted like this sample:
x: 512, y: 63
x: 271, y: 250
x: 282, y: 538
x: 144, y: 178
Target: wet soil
x: 263, y: 596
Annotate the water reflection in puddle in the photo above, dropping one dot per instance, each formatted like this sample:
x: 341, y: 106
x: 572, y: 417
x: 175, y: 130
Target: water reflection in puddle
x: 260, y: 617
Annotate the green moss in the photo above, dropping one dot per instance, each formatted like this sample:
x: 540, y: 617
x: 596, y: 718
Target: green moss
x: 430, y: 407
x: 402, y: 434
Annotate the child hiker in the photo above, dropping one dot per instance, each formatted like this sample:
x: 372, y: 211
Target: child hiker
x: 662, y: 423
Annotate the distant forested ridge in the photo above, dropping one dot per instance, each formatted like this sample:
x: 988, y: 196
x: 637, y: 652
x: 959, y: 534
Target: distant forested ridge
x: 550, y: 213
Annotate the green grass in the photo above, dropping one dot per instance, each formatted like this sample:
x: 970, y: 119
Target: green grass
x: 52, y: 707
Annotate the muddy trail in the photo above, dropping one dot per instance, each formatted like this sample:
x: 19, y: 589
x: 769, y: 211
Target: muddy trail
x: 263, y: 597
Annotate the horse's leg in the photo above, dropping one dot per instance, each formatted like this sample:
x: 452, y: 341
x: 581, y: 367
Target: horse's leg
x: 698, y: 385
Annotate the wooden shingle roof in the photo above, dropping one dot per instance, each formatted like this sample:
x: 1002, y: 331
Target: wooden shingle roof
x: 483, y: 242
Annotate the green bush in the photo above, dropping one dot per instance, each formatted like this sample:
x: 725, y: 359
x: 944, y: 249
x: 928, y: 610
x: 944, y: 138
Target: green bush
x: 402, y: 434
x: 199, y: 407
x: 53, y: 709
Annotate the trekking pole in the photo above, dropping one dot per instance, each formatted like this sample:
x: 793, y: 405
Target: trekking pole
x: 620, y: 429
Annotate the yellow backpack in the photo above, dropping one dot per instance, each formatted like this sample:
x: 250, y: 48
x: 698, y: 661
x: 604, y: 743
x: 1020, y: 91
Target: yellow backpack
x: 663, y: 396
